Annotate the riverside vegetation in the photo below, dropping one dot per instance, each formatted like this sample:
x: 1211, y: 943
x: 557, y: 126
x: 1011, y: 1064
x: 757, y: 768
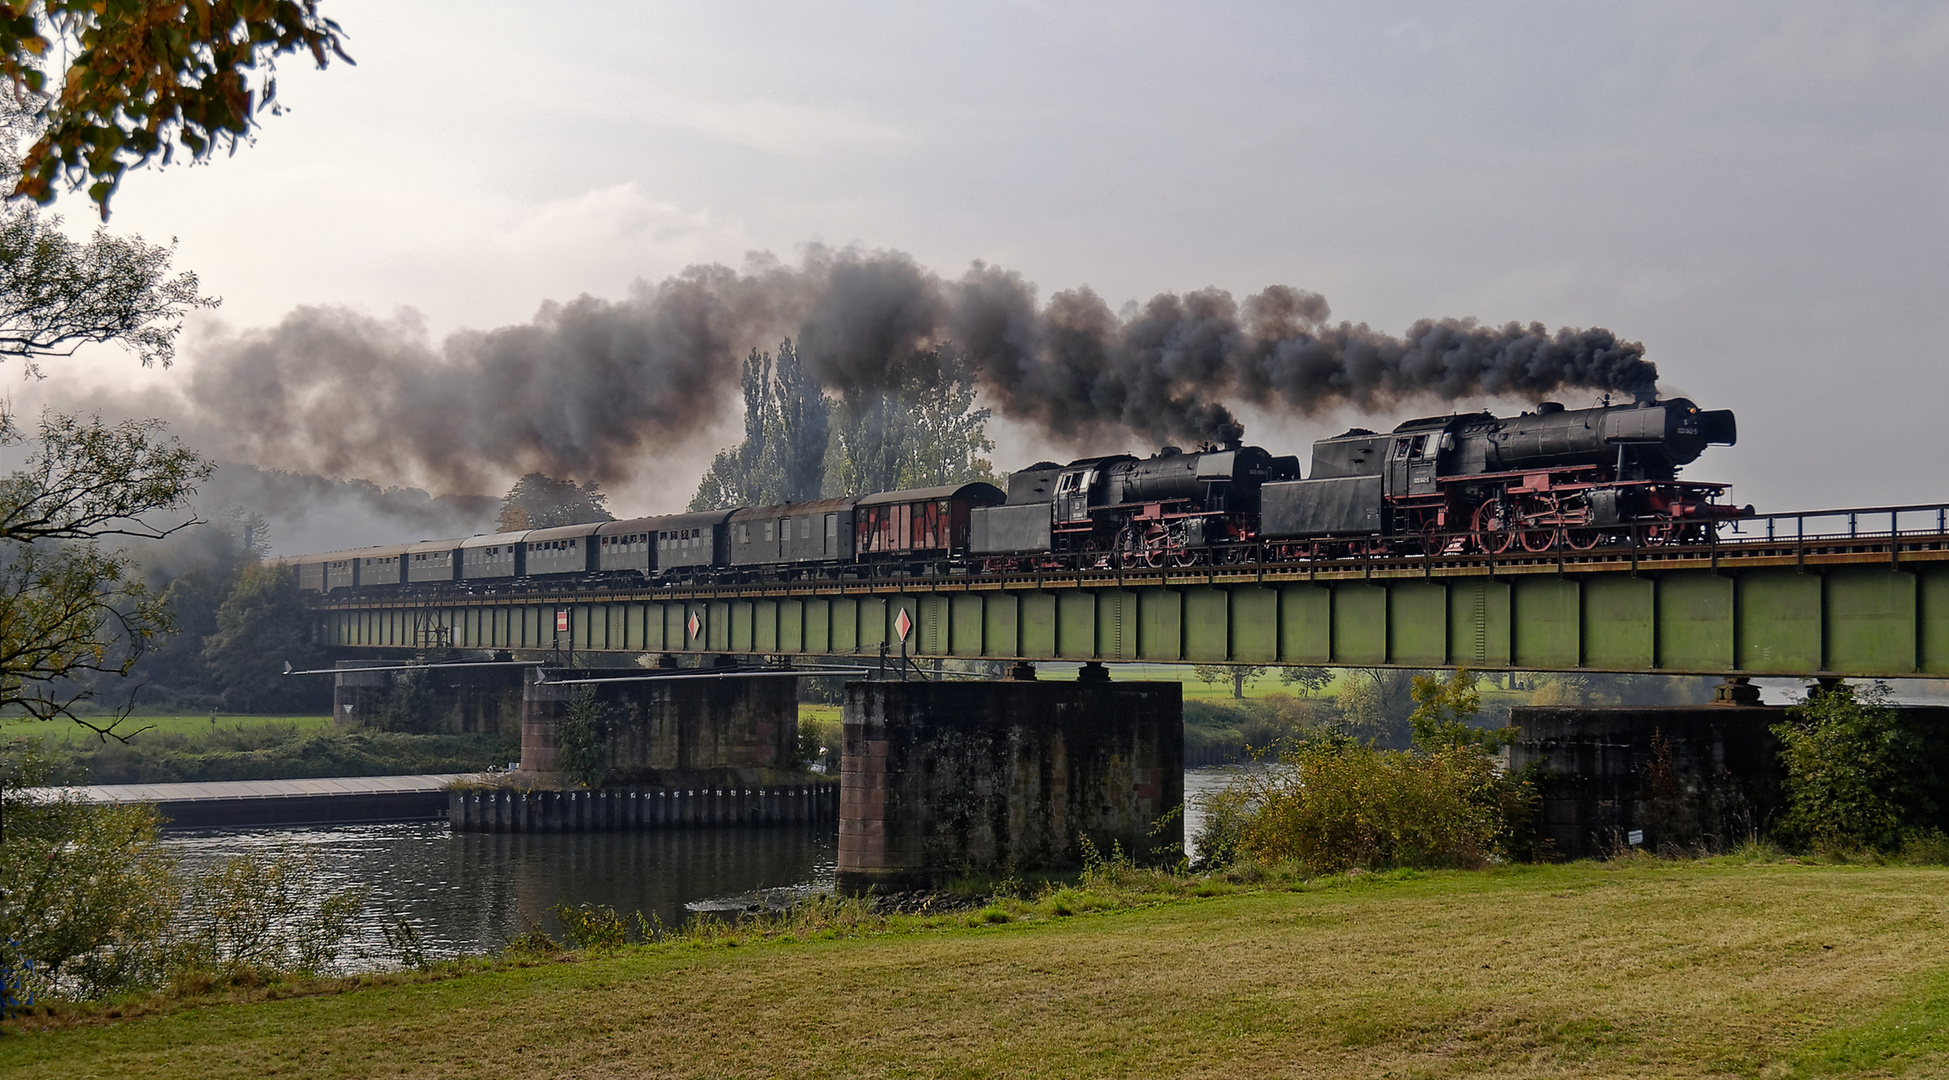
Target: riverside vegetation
x: 1355, y: 909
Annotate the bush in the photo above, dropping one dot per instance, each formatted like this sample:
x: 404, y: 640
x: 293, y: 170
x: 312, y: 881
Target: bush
x: 1333, y: 804
x: 582, y: 739
x: 92, y: 901
x: 1857, y: 772
x: 816, y: 735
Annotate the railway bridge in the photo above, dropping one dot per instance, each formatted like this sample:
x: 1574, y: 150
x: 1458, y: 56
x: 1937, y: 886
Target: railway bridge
x: 1860, y: 592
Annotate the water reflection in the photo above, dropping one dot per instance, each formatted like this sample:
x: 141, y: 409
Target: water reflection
x: 475, y: 892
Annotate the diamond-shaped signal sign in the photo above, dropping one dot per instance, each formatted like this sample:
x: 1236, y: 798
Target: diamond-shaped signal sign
x: 903, y: 625
x: 695, y: 625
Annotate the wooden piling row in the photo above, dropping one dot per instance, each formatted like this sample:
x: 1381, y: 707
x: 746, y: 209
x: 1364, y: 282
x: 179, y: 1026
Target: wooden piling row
x: 636, y: 808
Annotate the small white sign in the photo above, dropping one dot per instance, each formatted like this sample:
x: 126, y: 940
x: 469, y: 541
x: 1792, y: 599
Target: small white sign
x: 1635, y: 836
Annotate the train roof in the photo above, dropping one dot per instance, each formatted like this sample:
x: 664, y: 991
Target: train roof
x: 697, y: 520
x: 563, y: 532
x: 433, y: 545
x: 383, y: 551
x: 481, y: 540
x: 323, y: 556
x: 818, y: 507
x: 978, y: 489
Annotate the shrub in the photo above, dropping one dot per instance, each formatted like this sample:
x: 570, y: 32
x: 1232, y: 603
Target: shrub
x: 93, y: 902
x: 582, y: 739
x: 1333, y: 804
x: 1856, y: 772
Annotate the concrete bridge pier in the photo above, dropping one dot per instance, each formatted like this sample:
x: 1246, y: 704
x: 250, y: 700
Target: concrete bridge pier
x: 678, y: 724
x: 947, y: 778
x: 458, y: 700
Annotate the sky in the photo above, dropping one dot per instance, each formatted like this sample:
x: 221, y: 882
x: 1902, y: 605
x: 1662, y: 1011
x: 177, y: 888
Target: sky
x: 1757, y: 192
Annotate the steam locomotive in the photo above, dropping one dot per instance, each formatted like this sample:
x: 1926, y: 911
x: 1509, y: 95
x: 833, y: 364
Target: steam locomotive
x: 1466, y: 483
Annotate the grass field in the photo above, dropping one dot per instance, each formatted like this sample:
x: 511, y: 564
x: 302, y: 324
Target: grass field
x: 1642, y: 969
x: 67, y: 731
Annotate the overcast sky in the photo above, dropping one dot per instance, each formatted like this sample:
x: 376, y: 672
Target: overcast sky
x: 1757, y: 192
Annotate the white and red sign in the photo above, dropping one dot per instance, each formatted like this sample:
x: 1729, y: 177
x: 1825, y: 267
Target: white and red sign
x: 695, y: 625
x: 561, y: 620
x: 903, y: 625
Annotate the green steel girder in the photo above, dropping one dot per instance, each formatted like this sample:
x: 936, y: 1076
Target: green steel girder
x: 1856, y: 613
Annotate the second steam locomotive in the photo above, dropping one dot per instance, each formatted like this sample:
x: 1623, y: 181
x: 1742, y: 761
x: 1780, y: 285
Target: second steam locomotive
x: 1459, y: 484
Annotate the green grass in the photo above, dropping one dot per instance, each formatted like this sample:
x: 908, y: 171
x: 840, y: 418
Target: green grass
x: 69, y: 732
x: 1642, y: 969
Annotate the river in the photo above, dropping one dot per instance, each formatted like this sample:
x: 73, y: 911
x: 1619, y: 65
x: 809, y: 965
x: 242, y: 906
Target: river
x: 475, y: 892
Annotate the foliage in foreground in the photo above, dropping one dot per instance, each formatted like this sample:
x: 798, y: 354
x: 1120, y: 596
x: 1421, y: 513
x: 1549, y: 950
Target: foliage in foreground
x: 1859, y: 774
x: 90, y: 898
x: 1333, y: 804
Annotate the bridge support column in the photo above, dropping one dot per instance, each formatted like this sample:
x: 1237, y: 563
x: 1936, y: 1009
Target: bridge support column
x: 485, y: 700
x: 1684, y: 776
x: 944, y: 778
x: 680, y: 725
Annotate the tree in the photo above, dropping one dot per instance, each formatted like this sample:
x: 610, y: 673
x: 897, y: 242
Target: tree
x: 56, y: 294
x: 1444, y: 709
x: 804, y: 418
x: 1375, y: 703
x: 783, y: 456
x: 1858, y: 772
x: 70, y: 608
x: 582, y: 739
x: 539, y: 501
x: 263, y: 623
x: 1309, y: 680
x: 921, y: 431
x: 145, y: 77
x: 1238, y: 674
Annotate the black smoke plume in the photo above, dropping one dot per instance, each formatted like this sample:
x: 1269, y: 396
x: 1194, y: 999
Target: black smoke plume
x: 600, y: 390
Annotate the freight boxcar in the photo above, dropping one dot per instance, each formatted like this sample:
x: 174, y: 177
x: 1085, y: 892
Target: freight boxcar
x: 921, y: 523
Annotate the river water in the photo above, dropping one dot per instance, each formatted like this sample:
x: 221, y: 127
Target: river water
x: 475, y: 892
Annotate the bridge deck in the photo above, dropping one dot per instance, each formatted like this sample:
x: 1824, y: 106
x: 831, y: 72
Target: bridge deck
x: 1776, y: 599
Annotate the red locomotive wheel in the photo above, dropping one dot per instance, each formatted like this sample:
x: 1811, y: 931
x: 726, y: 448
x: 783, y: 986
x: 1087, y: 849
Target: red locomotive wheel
x: 1492, y: 531
x: 1583, y: 539
x: 1538, y: 539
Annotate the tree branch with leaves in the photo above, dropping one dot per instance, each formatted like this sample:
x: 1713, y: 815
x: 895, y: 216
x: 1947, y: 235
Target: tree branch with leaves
x: 147, y: 77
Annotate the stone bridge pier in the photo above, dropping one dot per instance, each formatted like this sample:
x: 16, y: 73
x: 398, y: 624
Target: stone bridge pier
x: 946, y: 778
x: 667, y: 728
x: 454, y: 700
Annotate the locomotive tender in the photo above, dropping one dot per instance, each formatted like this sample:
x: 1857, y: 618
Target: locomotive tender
x: 1463, y: 483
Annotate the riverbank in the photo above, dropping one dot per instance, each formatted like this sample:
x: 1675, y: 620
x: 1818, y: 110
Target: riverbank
x: 1641, y: 968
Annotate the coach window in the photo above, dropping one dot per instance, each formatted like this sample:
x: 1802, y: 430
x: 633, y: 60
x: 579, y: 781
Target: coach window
x: 805, y: 528
x: 832, y: 532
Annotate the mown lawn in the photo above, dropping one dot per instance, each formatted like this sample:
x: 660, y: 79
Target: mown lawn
x: 69, y: 732
x: 1686, y: 969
